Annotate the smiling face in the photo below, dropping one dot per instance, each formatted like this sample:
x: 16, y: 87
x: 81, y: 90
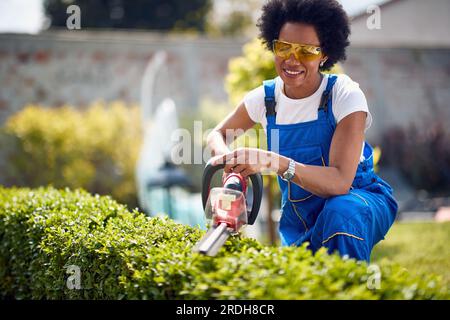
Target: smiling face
x: 301, y: 78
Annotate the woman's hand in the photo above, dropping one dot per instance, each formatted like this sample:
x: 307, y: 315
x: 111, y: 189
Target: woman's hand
x: 247, y: 161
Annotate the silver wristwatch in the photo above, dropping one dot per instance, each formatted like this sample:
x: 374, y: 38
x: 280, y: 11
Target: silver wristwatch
x: 290, y: 172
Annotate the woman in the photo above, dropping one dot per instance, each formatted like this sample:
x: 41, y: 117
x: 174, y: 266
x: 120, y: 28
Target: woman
x: 330, y: 194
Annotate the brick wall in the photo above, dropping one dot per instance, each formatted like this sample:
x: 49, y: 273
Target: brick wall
x: 54, y: 68
x: 402, y: 85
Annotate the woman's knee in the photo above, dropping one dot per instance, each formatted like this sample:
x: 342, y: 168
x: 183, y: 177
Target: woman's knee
x: 346, y: 207
x: 342, y: 224
x: 347, y: 203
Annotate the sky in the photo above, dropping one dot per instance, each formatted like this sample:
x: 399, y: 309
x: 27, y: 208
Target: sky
x: 27, y: 16
x: 22, y: 16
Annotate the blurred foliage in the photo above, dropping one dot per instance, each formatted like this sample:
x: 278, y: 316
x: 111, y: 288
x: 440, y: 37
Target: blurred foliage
x: 419, y: 247
x: 376, y: 158
x: 234, y: 25
x: 244, y: 74
x: 422, y: 155
x: 127, y: 255
x: 165, y: 15
x: 95, y: 149
x: 233, y: 18
x: 207, y: 115
x: 248, y: 71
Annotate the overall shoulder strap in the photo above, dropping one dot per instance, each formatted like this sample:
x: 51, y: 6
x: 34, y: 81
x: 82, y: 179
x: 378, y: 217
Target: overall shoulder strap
x: 326, y: 96
x: 269, y: 97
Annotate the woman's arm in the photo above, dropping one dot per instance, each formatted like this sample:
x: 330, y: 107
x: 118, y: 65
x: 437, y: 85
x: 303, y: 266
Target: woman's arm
x: 336, y: 179
x: 236, y: 121
x: 345, y: 152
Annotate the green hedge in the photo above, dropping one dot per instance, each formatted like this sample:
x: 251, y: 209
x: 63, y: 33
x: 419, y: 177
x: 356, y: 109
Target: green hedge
x: 127, y: 255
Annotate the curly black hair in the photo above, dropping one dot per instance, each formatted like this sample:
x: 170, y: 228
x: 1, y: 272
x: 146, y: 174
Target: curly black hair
x: 327, y: 16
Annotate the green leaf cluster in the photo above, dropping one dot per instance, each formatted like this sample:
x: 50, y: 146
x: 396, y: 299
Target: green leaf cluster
x: 127, y: 255
x: 94, y: 148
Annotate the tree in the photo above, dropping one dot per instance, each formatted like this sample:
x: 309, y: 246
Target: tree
x: 137, y: 14
x: 236, y: 24
x: 234, y: 18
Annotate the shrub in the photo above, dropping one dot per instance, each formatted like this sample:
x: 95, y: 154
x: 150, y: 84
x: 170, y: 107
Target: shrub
x: 95, y: 149
x: 422, y: 156
x: 127, y: 255
x: 249, y: 70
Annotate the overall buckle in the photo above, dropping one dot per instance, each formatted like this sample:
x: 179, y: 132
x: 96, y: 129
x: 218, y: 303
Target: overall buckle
x: 270, y: 106
x: 324, y: 100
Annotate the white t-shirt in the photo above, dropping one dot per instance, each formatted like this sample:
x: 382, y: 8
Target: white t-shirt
x: 347, y: 98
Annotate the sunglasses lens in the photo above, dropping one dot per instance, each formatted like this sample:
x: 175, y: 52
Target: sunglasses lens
x: 309, y: 53
x: 301, y: 52
x: 283, y: 49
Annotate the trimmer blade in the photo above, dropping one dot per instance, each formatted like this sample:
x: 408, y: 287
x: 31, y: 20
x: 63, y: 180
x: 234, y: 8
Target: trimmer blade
x: 213, y: 240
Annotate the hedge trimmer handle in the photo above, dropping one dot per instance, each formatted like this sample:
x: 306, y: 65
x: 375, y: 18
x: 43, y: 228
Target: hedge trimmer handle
x: 257, y: 188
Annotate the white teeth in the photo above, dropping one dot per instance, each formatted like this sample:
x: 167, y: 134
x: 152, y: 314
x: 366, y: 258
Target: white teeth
x: 292, y: 72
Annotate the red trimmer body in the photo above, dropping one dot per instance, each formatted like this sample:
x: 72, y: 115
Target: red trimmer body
x: 226, y: 208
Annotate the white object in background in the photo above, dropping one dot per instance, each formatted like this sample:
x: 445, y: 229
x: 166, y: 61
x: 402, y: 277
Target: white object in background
x: 156, y: 147
x: 443, y: 214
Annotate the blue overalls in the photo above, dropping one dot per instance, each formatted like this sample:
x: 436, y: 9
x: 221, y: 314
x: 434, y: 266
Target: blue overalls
x: 352, y: 223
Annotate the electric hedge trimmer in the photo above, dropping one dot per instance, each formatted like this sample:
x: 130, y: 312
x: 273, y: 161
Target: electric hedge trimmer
x: 229, y: 208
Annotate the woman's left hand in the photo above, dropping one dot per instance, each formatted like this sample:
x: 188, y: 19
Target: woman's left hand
x: 246, y: 161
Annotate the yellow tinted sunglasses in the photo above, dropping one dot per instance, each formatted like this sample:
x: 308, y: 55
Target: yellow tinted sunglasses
x: 302, y: 52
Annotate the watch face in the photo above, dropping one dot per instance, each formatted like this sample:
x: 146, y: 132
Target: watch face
x: 288, y: 175
x: 290, y: 172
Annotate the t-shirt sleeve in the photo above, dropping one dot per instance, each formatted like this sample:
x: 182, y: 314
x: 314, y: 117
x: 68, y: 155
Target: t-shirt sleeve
x: 349, y: 98
x: 254, y: 103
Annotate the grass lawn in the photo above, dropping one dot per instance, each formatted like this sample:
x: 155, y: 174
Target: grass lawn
x: 421, y: 247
